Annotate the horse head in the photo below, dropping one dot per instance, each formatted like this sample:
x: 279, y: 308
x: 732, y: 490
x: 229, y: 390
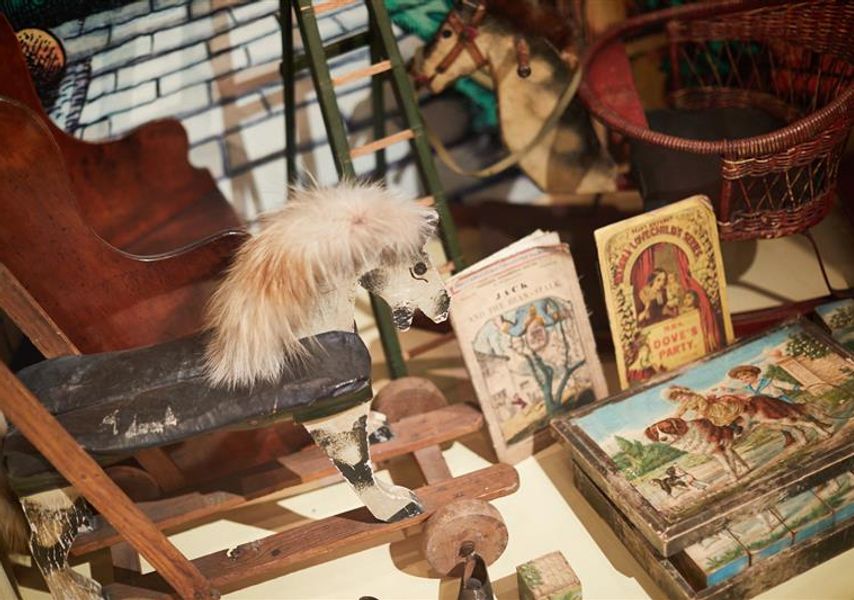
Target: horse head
x: 298, y: 275
x: 454, y: 52
x: 408, y: 281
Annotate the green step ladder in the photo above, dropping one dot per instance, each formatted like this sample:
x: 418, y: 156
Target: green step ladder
x: 385, y: 64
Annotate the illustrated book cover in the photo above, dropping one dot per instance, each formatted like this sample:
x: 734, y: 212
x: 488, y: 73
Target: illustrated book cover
x: 526, y: 340
x: 664, y: 287
x: 682, y: 456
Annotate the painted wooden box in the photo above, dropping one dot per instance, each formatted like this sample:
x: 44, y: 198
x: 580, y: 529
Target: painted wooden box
x: 744, y: 427
x: 724, y: 565
x: 717, y: 471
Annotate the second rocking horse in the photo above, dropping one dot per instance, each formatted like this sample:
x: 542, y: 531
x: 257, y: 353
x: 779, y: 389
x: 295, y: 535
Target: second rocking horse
x: 280, y: 345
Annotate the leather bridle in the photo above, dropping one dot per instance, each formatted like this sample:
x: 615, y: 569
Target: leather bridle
x: 466, y: 33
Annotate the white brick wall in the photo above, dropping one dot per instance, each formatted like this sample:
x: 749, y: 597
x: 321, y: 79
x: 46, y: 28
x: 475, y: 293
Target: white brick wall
x: 214, y: 64
x: 158, y: 65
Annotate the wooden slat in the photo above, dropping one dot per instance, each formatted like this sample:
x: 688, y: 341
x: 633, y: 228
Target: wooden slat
x: 330, y: 5
x: 280, y: 552
x: 377, y: 145
x: 426, y: 201
x: 31, y: 318
x: 161, y: 466
x: 369, y: 71
x: 432, y: 464
x: 310, y: 464
x: 44, y: 432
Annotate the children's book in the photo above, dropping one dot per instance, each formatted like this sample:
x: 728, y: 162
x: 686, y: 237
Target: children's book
x: 664, y: 286
x: 526, y: 340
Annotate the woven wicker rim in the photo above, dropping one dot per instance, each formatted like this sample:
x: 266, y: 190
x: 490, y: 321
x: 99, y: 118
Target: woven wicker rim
x: 794, y: 133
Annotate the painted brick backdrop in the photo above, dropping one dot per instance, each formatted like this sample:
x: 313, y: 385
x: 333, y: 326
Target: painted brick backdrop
x: 214, y: 64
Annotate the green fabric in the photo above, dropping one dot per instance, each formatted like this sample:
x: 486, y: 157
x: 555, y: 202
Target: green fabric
x: 423, y: 18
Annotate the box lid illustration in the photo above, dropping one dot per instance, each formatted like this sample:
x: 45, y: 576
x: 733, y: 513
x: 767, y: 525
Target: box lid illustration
x: 723, y: 438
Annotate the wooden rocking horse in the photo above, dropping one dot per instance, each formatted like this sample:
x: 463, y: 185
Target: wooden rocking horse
x: 280, y: 345
x: 544, y: 128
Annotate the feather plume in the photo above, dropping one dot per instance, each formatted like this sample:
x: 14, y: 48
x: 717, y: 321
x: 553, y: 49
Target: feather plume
x: 321, y: 237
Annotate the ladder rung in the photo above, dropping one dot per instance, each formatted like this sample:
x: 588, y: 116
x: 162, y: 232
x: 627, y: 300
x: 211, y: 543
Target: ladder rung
x: 446, y: 268
x: 330, y: 5
x: 377, y: 145
x: 426, y: 201
x: 369, y: 71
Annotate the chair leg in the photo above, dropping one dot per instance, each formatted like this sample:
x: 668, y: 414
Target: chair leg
x: 344, y: 438
x: 55, y: 517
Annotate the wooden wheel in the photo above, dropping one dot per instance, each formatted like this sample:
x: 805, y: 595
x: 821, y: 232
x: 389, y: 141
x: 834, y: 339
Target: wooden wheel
x: 462, y: 527
x: 408, y: 396
x: 139, y: 485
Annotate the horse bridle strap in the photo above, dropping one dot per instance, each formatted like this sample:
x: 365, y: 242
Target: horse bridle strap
x: 466, y: 34
x: 514, y: 157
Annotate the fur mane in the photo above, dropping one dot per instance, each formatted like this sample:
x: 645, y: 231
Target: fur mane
x: 321, y: 237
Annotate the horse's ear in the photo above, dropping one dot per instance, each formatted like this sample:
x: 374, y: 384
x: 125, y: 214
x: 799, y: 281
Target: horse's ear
x: 651, y: 432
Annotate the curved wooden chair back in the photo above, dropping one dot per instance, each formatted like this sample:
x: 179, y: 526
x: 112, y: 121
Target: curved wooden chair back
x: 102, y: 298
x: 139, y: 193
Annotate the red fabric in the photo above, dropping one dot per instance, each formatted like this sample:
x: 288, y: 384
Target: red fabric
x: 643, y: 266
x: 711, y: 324
x: 610, y: 78
x: 708, y: 319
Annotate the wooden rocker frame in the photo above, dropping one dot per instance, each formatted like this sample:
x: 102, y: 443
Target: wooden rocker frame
x: 141, y: 525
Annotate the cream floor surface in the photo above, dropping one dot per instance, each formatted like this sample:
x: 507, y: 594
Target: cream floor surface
x: 547, y: 513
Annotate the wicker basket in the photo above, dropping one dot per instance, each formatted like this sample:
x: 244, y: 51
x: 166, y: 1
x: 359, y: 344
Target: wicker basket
x: 794, y: 60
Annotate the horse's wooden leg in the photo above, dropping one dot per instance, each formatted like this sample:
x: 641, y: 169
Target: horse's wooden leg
x: 55, y: 517
x: 344, y: 438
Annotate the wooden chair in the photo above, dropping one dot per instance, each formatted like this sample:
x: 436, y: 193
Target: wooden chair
x: 138, y: 193
x: 146, y: 234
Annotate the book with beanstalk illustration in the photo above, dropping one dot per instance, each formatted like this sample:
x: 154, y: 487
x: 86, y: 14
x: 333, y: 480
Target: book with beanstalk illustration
x: 526, y: 340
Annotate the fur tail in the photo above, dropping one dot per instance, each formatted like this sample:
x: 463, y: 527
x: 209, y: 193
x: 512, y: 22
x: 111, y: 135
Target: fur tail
x: 14, y: 531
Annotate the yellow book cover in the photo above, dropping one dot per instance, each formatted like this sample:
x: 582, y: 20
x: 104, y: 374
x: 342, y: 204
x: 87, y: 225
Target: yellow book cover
x: 526, y: 340
x: 665, y: 290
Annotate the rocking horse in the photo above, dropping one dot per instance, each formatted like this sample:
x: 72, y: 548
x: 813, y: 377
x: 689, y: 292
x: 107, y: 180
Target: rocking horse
x: 279, y: 345
x: 547, y: 132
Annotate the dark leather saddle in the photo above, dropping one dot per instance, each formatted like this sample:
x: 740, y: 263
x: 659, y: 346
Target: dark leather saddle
x: 117, y: 403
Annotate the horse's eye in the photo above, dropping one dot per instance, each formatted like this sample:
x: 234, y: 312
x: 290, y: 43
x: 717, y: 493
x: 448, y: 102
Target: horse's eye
x: 419, y: 268
x: 446, y: 33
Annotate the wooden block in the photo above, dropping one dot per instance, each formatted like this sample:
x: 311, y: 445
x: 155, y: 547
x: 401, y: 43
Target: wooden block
x: 715, y: 559
x: 838, y: 495
x: 763, y: 535
x: 548, y: 577
x: 805, y: 515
